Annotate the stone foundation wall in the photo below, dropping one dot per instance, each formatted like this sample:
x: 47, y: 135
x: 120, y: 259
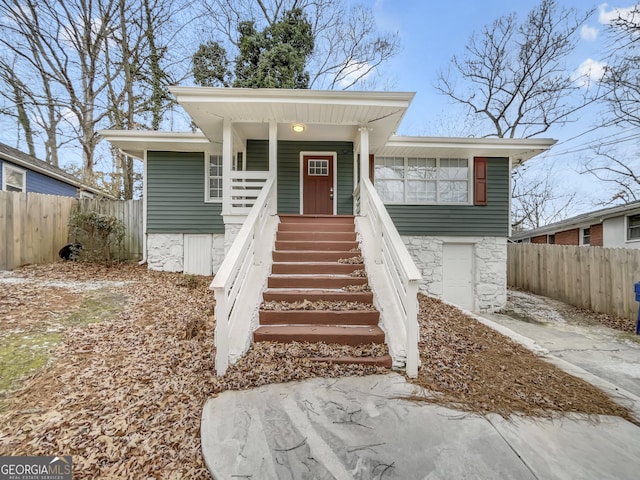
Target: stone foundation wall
x: 489, y: 269
x: 165, y: 252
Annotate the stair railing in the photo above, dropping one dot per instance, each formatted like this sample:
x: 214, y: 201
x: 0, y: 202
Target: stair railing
x: 238, y: 284
x: 385, y: 251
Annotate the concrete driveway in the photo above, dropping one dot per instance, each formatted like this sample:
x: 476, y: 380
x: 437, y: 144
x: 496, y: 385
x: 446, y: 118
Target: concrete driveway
x: 358, y: 428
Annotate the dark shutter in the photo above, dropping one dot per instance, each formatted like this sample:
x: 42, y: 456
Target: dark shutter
x: 372, y: 167
x: 479, y: 181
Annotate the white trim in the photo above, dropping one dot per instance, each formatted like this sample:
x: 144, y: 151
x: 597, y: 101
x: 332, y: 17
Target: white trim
x: 207, y: 188
x: 335, y: 177
x: 8, y: 166
x: 626, y: 228
x: 581, y: 233
x: 282, y: 95
x: 470, y: 182
x: 145, y: 199
x: 510, y: 228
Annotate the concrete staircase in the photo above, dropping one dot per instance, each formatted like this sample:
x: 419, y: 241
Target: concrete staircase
x: 306, y: 269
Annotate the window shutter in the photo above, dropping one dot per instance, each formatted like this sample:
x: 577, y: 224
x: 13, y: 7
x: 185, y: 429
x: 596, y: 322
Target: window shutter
x: 479, y: 181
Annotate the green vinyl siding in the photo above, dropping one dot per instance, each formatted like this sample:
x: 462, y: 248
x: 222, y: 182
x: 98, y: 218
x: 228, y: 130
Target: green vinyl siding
x: 289, y: 170
x: 258, y: 155
x: 461, y: 220
x: 175, y: 195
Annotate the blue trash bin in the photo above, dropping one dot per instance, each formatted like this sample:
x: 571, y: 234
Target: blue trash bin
x: 636, y: 287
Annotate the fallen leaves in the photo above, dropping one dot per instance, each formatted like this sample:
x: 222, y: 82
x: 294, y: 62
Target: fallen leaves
x: 124, y: 396
x: 357, y: 260
x: 336, y: 305
x: 472, y: 367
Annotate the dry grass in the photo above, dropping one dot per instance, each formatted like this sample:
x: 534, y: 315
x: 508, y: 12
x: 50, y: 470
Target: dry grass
x: 124, y: 395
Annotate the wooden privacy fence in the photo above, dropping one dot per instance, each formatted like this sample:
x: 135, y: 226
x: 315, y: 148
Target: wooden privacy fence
x: 594, y: 278
x: 33, y: 226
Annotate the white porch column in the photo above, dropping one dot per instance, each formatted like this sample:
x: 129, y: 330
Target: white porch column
x: 273, y: 158
x: 227, y: 162
x: 364, y: 152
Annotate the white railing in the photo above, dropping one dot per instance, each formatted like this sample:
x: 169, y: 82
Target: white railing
x: 243, y: 191
x: 394, y: 272
x: 241, y: 278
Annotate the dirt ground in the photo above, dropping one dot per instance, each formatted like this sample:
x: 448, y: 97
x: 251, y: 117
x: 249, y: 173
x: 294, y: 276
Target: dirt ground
x: 113, y: 366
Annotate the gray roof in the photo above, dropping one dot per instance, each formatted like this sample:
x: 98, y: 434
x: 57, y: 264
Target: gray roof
x: 584, y: 219
x: 18, y: 157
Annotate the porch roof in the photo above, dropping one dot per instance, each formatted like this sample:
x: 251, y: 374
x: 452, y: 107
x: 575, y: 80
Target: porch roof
x: 519, y: 150
x: 327, y: 114
x: 135, y: 142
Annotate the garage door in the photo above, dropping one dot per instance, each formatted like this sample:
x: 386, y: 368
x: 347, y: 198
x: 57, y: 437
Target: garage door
x: 457, y: 265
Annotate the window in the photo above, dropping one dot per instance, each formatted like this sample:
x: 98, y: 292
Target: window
x: 14, y: 179
x: 586, y: 236
x: 422, y: 180
x: 214, y: 178
x: 318, y: 168
x: 551, y: 240
x: 633, y: 227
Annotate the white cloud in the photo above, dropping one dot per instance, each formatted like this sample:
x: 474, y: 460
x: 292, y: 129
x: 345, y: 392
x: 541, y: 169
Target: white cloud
x: 588, y: 33
x: 589, y: 72
x: 354, y: 72
x: 607, y: 16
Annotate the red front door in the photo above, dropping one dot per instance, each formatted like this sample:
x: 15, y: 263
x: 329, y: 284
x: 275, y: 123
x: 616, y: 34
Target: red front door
x: 317, y: 185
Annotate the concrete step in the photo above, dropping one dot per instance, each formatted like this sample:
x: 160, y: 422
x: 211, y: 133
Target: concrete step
x: 342, y: 246
x: 312, y: 256
x: 314, y: 236
x: 314, y: 281
x: 299, y: 295
x: 319, y: 317
x: 343, y: 335
x: 314, y: 268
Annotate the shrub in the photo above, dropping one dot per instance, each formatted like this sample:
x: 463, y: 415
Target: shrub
x: 98, y: 233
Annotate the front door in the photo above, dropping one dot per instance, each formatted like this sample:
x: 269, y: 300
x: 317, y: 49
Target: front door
x: 317, y: 184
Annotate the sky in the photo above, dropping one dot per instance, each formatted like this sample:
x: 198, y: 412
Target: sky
x: 432, y: 32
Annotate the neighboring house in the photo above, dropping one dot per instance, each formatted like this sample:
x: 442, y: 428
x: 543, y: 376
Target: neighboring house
x: 446, y: 199
x: 613, y: 227
x: 20, y: 172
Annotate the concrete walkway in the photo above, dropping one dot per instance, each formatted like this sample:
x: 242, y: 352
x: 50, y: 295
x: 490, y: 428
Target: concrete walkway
x: 358, y: 428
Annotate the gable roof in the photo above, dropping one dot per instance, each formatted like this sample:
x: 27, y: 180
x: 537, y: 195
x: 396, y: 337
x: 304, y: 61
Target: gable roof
x: 22, y: 159
x: 584, y: 219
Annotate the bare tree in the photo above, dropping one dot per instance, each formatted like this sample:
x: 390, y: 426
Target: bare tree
x: 536, y: 200
x: 512, y: 74
x: 348, y: 47
x: 65, y: 41
x: 616, y: 164
x: 623, y: 73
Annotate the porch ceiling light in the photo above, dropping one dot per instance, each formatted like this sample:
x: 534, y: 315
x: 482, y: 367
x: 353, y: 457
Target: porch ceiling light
x: 298, y: 127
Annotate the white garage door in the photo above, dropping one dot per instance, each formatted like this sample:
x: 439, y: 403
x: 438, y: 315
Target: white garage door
x: 457, y: 266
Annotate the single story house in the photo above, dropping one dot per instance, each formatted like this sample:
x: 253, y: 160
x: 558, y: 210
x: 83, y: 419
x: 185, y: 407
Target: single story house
x: 20, y: 172
x: 436, y: 206
x: 612, y: 227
